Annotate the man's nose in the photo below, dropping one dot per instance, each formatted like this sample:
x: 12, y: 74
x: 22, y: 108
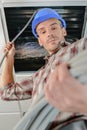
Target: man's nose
x: 50, y: 32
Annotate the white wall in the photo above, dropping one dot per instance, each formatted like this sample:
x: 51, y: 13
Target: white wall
x: 10, y: 111
x: 2, y: 40
x: 11, y: 3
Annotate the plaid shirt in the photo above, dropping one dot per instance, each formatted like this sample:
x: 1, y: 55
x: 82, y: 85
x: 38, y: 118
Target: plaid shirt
x: 35, y: 84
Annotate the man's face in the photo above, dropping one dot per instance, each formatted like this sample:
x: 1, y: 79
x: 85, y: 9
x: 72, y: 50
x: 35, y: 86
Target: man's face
x: 50, y: 34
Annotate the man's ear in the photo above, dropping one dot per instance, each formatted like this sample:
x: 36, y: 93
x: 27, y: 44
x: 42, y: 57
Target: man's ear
x: 39, y: 41
x: 64, y: 32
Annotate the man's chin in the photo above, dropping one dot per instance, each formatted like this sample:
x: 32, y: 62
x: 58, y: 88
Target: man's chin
x: 55, y: 48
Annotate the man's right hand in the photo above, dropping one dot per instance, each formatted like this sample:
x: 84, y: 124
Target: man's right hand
x: 9, y: 47
x: 7, y: 69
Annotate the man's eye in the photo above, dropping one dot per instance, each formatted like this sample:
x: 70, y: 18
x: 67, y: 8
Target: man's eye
x: 53, y: 28
x: 43, y: 32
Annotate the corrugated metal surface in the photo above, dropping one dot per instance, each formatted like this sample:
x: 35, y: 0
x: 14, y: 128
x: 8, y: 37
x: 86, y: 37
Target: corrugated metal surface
x: 17, y: 18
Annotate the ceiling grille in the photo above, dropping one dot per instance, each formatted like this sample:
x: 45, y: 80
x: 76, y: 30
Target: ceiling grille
x: 17, y: 17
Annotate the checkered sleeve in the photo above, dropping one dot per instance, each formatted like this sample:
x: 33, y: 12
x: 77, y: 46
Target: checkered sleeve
x: 16, y: 91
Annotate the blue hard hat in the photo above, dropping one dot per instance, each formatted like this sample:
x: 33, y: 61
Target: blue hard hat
x: 43, y: 15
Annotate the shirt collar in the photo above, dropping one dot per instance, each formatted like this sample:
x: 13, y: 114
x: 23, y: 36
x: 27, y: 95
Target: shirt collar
x: 62, y: 44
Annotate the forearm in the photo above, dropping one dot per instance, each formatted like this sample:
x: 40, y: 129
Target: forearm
x: 7, y: 72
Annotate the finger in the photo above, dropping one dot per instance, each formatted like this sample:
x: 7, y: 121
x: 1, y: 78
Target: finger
x: 8, y: 46
x: 51, y: 81
x: 51, y: 98
x: 62, y: 71
x: 48, y: 94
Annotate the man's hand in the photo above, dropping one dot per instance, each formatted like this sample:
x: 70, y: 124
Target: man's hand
x: 7, y: 69
x: 65, y: 92
x: 9, y: 47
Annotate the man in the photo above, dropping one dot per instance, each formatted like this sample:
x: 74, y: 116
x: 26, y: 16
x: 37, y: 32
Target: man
x: 50, y: 30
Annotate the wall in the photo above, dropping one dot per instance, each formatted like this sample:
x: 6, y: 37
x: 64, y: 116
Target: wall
x: 10, y: 111
x: 2, y: 40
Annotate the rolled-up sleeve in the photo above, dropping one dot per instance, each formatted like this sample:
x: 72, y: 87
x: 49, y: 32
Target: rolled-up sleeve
x: 16, y: 91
